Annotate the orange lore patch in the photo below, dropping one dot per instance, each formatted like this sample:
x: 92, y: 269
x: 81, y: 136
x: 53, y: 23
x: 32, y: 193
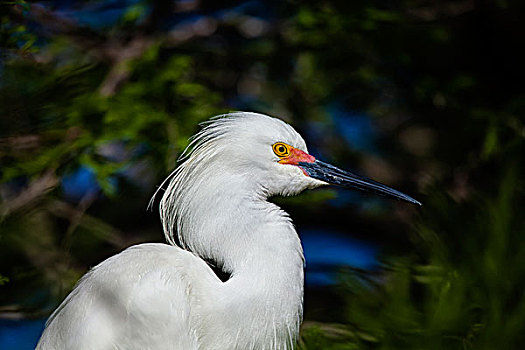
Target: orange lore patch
x: 297, y: 156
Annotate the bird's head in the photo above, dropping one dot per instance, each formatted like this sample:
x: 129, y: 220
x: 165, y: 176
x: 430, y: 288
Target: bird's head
x: 272, y: 156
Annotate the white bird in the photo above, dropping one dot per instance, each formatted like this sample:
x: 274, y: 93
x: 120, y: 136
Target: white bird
x: 160, y: 296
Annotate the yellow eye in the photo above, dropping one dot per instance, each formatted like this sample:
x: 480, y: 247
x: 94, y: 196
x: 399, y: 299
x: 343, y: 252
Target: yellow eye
x: 281, y: 149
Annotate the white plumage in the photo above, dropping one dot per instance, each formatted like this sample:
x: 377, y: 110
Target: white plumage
x: 158, y: 296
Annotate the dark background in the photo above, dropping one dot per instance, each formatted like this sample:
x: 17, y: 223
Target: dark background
x: 98, y: 99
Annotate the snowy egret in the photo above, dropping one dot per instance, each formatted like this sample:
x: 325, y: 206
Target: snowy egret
x: 159, y: 296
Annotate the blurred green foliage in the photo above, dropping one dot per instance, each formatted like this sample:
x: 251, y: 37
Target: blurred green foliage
x: 441, y: 82
x: 460, y: 284
x: 461, y: 288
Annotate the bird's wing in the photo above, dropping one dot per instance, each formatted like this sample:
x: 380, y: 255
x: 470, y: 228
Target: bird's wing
x: 138, y: 299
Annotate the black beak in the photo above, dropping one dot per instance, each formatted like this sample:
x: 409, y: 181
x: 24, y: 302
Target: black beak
x: 335, y: 176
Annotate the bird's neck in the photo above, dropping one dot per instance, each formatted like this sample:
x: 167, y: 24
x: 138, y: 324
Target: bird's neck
x: 254, y: 241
